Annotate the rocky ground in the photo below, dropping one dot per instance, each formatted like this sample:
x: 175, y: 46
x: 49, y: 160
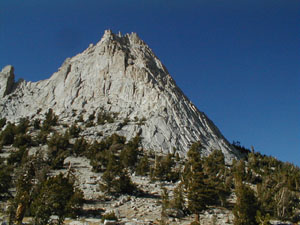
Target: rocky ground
x: 130, y: 210
x: 140, y: 209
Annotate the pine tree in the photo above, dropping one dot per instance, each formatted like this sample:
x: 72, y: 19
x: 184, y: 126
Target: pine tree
x: 214, y: 168
x: 8, y: 134
x: 58, y: 196
x: 165, y: 203
x: 143, y: 166
x: 5, y: 179
x: 115, y: 179
x: 178, y: 198
x: 200, y: 191
x: 246, y: 206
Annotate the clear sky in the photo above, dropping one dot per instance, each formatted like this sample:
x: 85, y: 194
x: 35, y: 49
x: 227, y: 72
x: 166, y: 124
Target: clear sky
x: 237, y: 60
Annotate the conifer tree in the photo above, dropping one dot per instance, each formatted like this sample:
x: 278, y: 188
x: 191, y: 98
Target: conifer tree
x: 8, y: 134
x: 246, y: 206
x: 178, y: 198
x: 5, y: 179
x: 143, y: 166
x: 58, y: 196
x: 115, y: 179
x: 200, y: 192
x: 165, y: 203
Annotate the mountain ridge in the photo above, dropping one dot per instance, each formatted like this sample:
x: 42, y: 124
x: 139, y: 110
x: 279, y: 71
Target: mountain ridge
x: 122, y: 75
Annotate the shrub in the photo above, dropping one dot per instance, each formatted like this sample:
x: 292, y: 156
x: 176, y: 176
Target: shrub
x: 51, y: 120
x: 2, y: 122
x: 74, y: 131
x: 79, y: 147
x: 16, y: 157
x: 41, y: 138
x: 109, y: 216
x: 22, y: 126
x: 8, y: 134
x: 22, y: 140
x: 104, y: 117
x: 125, y: 122
x: 37, y: 124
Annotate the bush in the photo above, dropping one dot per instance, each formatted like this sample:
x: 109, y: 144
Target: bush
x: 2, y: 122
x: 125, y: 122
x: 37, y: 124
x: 8, y: 134
x: 79, y: 147
x: 41, y: 138
x: 109, y: 216
x: 17, y: 157
x: 104, y: 117
x: 22, y: 140
x: 51, y: 120
x: 74, y: 131
x: 22, y: 126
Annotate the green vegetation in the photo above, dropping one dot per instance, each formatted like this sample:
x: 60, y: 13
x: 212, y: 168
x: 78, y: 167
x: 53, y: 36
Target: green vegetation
x: 58, y: 146
x: 51, y: 120
x: 265, y: 187
x: 200, y: 191
x: 5, y: 179
x: 246, y: 205
x: 109, y: 216
x: 8, y: 134
x: 2, y: 122
x: 74, y: 131
x: 115, y: 179
x: 164, y: 169
x: 143, y: 166
x: 42, y: 196
x: 104, y: 117
x: 57, y: 196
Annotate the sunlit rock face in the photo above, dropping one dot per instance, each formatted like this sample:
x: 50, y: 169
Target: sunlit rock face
x: 121, y: 75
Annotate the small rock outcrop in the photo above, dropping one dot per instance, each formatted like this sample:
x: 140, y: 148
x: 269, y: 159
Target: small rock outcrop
x: 7, y: 79
x: 119, y: 75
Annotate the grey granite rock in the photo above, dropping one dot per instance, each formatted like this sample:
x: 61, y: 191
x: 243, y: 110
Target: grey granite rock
x: 7, y: 79
x: 120, y: 74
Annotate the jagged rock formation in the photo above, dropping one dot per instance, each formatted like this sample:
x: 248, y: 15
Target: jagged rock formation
x: 119, y: 74
x: 6, y: 80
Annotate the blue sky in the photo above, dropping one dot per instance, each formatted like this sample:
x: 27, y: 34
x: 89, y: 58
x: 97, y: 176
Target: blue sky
x: 238, y: 61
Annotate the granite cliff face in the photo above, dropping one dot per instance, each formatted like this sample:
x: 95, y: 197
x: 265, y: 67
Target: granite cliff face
x: 120, y: 74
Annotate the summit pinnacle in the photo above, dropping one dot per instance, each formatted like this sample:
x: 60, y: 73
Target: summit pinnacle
x: 120, y: 75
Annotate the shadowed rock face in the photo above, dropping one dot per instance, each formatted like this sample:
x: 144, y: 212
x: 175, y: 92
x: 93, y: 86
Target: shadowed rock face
x: 119, y: 74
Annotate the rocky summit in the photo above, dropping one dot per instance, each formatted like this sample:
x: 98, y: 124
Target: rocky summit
x: 122, y: 76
